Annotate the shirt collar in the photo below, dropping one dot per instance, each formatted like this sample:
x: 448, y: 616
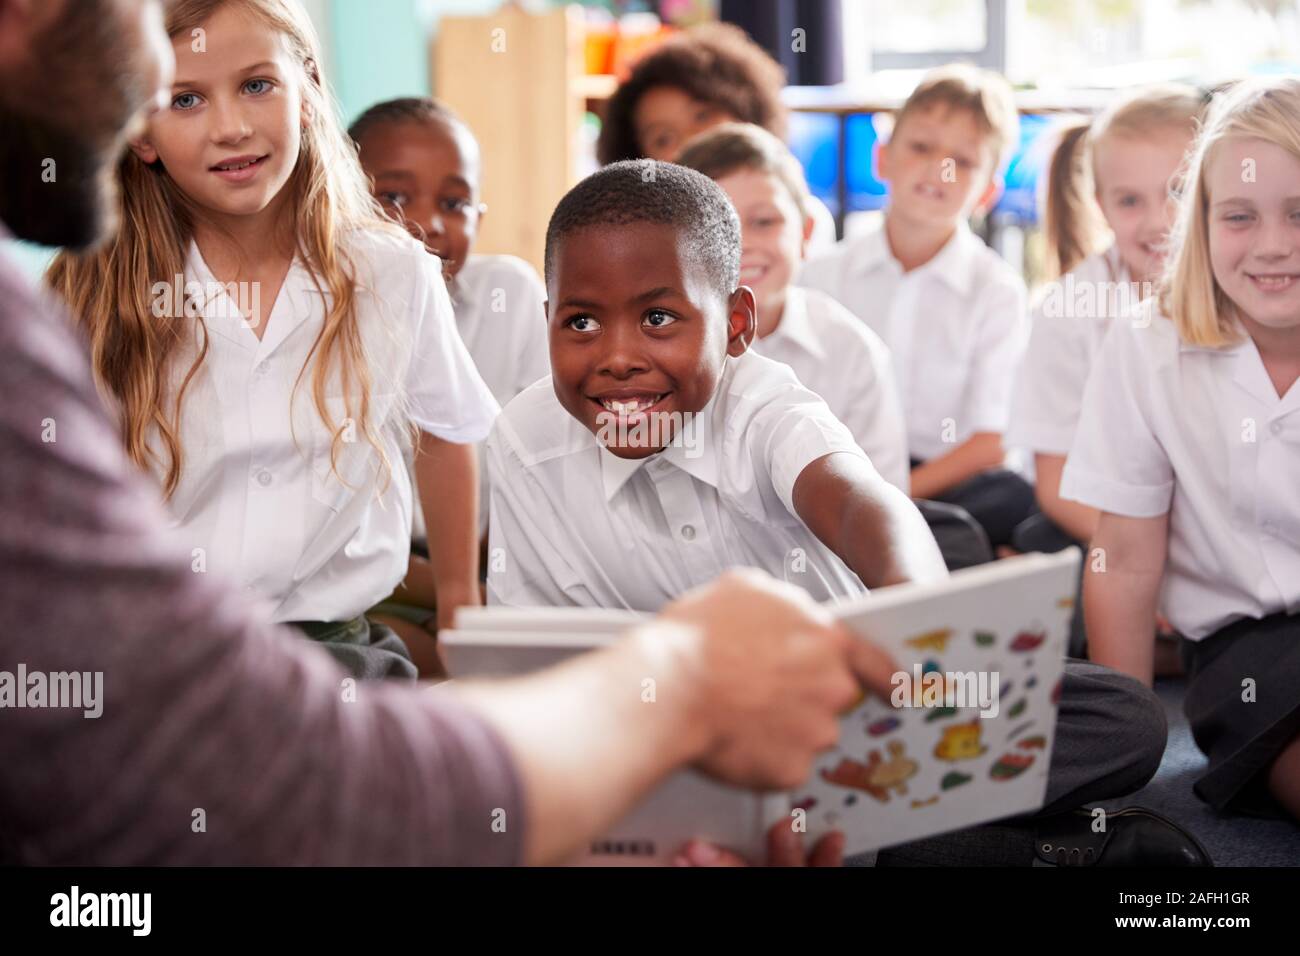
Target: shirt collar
x: 298, y: 293
x: 1248, y: 372
x: 796, y: 327
x: 954, y: 264
x: 693, y: 451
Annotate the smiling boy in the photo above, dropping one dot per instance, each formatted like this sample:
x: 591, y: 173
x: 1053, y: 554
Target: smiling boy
x: 951, y: 310
x: 648, y: 324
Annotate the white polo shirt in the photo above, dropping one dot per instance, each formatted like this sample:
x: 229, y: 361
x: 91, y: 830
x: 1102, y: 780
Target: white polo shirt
x: 257, y: 501
x: 573, y: 524
x: 956, y: 327
x: 817, y: 335
x: 500, y: 306
x: 1069, y: 321
x: 1202, y: 435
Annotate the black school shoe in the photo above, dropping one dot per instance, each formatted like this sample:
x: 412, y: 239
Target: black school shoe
x: 1133, y: 836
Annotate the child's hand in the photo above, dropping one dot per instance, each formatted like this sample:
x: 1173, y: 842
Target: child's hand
x: 784, y: 848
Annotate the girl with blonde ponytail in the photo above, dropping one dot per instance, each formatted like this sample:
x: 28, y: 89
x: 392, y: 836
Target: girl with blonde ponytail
x: 1107, y: 213
x: 270, y: 339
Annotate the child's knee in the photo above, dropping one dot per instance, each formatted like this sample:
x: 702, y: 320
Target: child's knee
x: 1141, y: 728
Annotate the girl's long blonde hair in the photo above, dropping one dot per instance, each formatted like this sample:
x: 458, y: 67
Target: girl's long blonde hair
x: 110, y: 290
x: 1073, y: 225
x: 1267, y: 109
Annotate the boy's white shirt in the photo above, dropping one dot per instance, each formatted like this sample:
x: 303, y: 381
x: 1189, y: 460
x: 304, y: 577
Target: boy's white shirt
x: 575, y: 525
x: 1201, y: 434
x: 1062, y: 349
x: 815, y: 337
x: 956, y: 327
x: 258, y: 501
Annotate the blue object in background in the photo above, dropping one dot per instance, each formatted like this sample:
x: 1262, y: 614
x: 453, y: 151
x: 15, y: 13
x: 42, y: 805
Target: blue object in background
x: 865, y: 192
x: 815, y: 140
x: 1019, y: 197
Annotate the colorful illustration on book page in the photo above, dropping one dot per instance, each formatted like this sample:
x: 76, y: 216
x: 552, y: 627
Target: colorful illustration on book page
x: 967, y: 732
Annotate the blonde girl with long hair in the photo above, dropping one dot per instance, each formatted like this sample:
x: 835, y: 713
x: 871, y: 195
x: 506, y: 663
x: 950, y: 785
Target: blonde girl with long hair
x: 269, y: 338
x: 1107, y: 212
x: 1189, y: 448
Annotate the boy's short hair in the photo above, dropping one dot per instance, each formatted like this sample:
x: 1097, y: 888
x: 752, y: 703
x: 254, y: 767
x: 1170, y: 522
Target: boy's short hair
x: 646, y: 190
x: 984, y: 94
x: 725, y: 149
x: 715, y: 63
x: 406, y: 109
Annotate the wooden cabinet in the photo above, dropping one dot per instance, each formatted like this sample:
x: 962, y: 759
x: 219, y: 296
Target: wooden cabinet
x: 517, y: 79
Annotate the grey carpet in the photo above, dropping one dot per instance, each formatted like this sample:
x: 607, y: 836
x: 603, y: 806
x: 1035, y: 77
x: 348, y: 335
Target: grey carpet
x: 1232, y: 840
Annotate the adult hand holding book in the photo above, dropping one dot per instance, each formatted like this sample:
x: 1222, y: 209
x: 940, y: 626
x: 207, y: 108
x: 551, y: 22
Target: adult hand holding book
x: 777, y: 671
x: 744, y: 678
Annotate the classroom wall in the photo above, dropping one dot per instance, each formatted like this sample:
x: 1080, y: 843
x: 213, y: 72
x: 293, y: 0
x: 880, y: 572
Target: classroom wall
x: 379, y: 49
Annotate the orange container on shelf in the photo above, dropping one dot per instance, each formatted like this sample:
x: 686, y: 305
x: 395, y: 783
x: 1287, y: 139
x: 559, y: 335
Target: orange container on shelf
x: 637, y: 33
x: 598, y: 48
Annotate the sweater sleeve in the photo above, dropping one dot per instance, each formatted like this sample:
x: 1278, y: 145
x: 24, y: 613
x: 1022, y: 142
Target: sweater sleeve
x: 163, y: 720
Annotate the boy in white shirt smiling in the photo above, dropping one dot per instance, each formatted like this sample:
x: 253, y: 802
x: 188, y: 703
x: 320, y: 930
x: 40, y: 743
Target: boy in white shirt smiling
x: 832, y: 353
x: 649, y: 326
x: 952, y: 312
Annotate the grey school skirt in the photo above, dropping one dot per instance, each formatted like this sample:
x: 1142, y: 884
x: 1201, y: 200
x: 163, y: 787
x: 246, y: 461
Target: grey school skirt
x: 365, y: 649
x: 1242, y: 736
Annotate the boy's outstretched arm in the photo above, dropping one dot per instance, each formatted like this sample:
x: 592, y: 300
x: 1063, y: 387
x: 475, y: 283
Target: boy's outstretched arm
x: 872, y: 526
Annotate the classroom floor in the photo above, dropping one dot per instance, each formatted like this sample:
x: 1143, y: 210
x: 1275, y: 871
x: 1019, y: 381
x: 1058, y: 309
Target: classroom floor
x: 1231, y: 840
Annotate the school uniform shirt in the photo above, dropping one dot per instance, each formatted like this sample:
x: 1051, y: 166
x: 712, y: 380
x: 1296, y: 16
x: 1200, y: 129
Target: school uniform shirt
x: 956, y: 327
x: 848, y: 365
x: 1202, y: 435
x: 1069, y: 323
x: 574, y: 524
x: 500, y: 306
x: 258, y: 501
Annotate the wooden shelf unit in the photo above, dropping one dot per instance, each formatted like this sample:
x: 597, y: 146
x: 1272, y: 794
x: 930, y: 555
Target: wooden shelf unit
x: 517, y: 79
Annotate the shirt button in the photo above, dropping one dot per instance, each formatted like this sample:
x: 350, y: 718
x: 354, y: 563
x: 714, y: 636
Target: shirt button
x: 1269, y: 528
x: 1275, y: 428
x: 688, y: 532
x: 264, y: 477
x: 262, y: 367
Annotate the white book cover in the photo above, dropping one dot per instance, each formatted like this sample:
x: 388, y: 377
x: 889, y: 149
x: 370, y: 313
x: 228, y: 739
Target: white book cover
x: 965, y: 738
